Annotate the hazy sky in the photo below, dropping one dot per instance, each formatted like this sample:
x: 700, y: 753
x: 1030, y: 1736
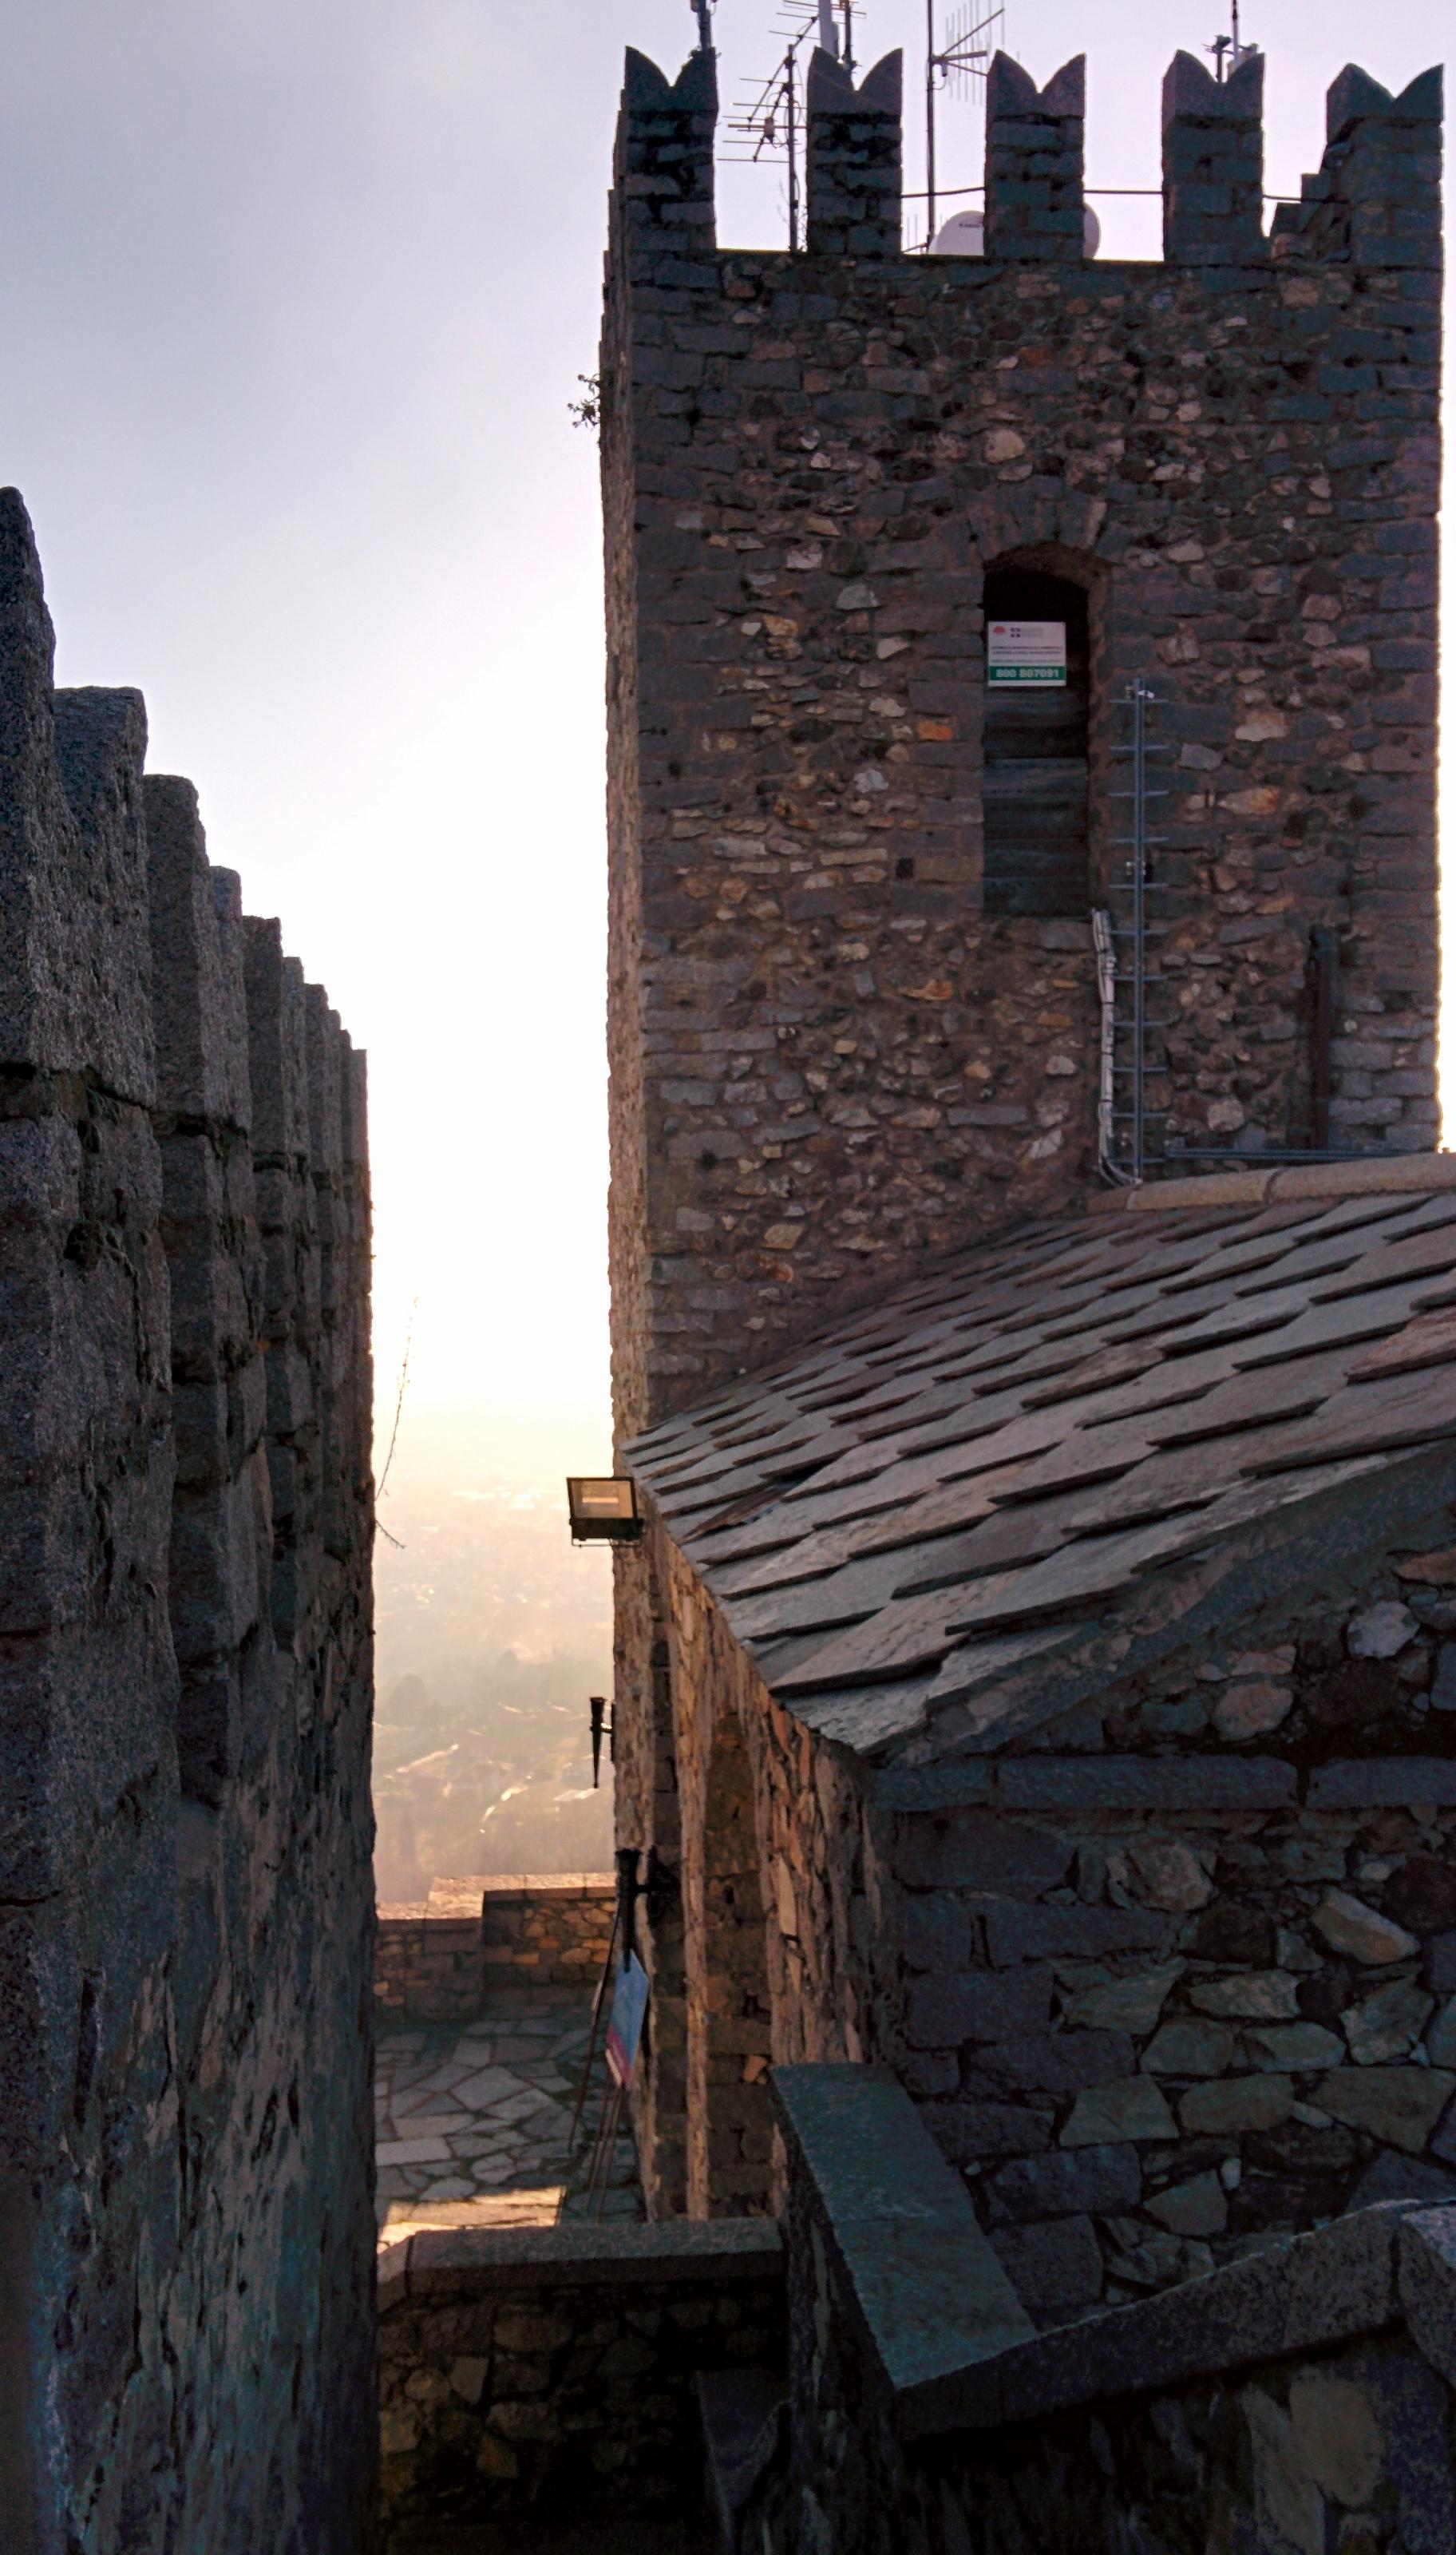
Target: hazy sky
x: 295, y: 294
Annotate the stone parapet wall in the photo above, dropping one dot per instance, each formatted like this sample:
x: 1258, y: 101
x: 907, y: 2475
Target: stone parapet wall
x: 547, y: 2369
x: 439, y: 1959
x: 1303, y: 2399
x: 186, y: 1669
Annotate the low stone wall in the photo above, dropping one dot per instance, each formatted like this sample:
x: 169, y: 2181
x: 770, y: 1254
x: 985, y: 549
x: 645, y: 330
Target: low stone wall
x: 437, y: 1960
x: 531, y: 2368
x: 1301, y: 2399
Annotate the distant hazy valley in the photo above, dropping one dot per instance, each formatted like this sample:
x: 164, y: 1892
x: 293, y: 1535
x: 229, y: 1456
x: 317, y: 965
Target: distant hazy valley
x: 492, y: 1633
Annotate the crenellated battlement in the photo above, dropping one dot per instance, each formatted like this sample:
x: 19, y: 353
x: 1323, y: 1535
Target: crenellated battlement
x: 1375, y: 198
x: 1033, y: 163
x: 1213, y: 164
x: 854, y: 179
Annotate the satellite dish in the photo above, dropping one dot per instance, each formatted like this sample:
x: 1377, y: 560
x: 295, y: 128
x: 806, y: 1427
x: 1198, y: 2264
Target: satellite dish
x: 964, y: 235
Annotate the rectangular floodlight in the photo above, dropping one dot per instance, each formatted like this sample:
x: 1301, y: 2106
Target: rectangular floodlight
x: 603, y: 1509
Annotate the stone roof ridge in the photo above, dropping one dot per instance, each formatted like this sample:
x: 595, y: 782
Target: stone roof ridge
x: 1362, y: 1175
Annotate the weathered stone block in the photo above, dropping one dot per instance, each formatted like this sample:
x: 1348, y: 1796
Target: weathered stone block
x: 1064, y: 2184
x: 941, y: 2012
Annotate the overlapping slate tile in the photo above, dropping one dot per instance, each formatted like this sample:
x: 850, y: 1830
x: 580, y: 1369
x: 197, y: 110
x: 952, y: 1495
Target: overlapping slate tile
x: 1428, y: 1340
x: 1093, y: 1570
x: 1002, y: 1453
x: 1418, y: 1254
x: 961, y: 1502
x: 1376, y: 1416
x: 1251, y: 1399
x: 910, y: 1632
x: 1344, y: 1323
x: 837, y: 1596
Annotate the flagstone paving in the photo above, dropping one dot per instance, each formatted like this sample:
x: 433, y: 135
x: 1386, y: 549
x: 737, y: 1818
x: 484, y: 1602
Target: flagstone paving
x: 473, y: 2121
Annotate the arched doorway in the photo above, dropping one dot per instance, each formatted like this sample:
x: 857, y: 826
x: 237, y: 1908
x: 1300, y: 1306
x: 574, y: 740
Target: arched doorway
x: 1035, y: 737
x: 730, y: 2133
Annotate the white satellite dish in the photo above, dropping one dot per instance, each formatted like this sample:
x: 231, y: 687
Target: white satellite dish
x: 964, y: 235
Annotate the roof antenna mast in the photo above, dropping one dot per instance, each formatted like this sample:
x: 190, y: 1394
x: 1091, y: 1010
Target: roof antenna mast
x: 830, y: 41
x: 960, y: 65
x: 1228, y: 51
x: 702, y: 10
x: 770, y: 124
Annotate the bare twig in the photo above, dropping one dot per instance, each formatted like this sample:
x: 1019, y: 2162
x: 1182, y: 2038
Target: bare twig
x: 394, y: 1434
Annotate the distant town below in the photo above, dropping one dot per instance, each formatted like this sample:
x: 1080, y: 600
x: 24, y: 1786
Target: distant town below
x: 492, y: 1632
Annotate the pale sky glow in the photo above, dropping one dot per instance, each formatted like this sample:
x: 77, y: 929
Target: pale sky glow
x: 295, y: 294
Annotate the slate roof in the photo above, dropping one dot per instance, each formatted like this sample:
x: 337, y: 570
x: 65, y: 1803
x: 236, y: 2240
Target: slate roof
x: 919, y: 1524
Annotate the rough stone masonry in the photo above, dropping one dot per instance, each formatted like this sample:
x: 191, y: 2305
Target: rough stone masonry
x: 828, y: 1055
x: 186, y: 1671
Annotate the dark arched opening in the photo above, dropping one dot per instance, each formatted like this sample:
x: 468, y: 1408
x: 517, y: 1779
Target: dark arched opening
x: 1035, y: 784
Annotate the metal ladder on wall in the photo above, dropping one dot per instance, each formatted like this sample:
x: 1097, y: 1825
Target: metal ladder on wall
x: 1124, y: 933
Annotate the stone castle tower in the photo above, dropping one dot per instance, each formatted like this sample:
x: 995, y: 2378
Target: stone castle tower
x: 854, y: 1007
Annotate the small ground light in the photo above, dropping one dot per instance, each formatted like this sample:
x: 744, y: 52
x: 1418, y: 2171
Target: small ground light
x: 603, y: 1510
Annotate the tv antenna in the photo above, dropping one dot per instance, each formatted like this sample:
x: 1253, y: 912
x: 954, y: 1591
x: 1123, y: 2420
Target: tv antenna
x: 770, y: 122
x: 957, y: 66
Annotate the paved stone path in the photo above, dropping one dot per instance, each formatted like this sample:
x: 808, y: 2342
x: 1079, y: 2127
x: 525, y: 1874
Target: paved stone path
x: 473, y: 2120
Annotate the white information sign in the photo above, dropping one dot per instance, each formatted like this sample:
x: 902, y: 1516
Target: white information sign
x: 1026, y: 652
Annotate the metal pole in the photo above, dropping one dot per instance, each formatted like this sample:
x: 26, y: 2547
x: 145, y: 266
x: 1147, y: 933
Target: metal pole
x: 789, y: 109
x: 597, y: 2003
x: 931, y: 119
x: 1140, y: 873
x: 1323, y: 958
x: 849, y: 34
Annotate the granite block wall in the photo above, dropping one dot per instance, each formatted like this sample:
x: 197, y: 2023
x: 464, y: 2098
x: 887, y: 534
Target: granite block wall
x: 1177, y: 1982
x: 780, y: 1942
x: 826, y: 1059
x: 550, y: 2371
x: 1191, y: 1984
x: 186, y: 1679
x: 488, y: 1932
x: 1302, y: 2399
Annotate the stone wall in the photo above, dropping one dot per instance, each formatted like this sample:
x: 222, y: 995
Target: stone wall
x: 1196, y: 1981
x: 552, y: 2368
x: 826, y: 1059
x: 1180, y: 1978
x: 186, y: 1670
x: 441, y: 1960
x: 780, y: 1941
x: 1300, y: 2399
